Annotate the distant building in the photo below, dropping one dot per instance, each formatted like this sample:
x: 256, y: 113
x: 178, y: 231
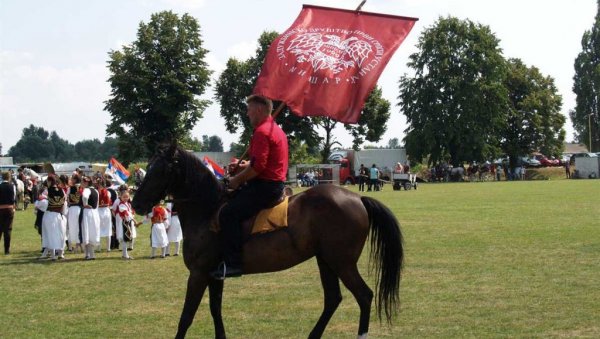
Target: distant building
x: 572, y: 148
x: 6, y: 161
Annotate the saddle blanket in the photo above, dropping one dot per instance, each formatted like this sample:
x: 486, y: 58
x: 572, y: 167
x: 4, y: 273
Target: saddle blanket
x: 271, y: 219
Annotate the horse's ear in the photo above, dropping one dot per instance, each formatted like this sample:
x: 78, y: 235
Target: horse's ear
x: 172, y: 150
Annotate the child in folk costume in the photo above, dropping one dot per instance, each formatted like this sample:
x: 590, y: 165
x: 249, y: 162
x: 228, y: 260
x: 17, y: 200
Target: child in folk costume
x: 174, y: 232
x: 126, y: 223
x: 74, y: 204
x: 104, y: 204
x: 90, y: 220
x: 159, y: 238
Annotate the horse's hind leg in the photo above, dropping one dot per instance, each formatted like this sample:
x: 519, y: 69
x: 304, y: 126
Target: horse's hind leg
x: 363, y: 295
x: 195, y: 290
x: 332, y: 296
x: 215, y: 292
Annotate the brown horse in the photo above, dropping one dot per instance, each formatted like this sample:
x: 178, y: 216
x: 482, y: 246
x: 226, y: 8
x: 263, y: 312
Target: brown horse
x: 326, y: 221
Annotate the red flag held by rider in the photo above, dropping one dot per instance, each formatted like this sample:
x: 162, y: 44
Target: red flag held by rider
x: 329, y: 60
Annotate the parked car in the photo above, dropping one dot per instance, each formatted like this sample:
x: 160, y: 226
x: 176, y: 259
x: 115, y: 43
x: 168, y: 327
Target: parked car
x: 545, y: 161
x: 530, y: 162
x: 582, y: 155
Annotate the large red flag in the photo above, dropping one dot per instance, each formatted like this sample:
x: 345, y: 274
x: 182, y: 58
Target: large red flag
x: 329, y: 60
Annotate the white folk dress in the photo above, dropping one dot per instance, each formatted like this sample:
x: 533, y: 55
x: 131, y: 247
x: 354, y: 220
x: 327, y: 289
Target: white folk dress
x: 174, y: 232
x: 90, y: 222
x: 125, y: 212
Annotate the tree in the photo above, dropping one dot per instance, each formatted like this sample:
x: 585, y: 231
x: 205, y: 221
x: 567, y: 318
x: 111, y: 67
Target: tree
x: 587, y: 88
x: 89, y: 150
x: 456, y: 103
x: 372, y: 123
x: 35, y: 145
x: 155, y: 84
x: 212, y: 144
x: 64, y: 151
x: 237, y: 82
x: 534, y: 121
x: 393, y: 143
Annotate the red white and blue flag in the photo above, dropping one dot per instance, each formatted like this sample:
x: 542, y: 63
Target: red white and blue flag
x: 329, y: 60
x: 117, y: 171
x: 217, y: 170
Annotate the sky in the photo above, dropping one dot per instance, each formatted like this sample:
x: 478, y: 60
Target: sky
x: 53, y: 54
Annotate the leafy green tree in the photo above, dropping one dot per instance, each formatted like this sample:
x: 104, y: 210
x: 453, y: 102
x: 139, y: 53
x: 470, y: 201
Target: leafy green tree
x: 192, y: 144
x: 212, y: 144
x: 89, y: 150
x: 456, y: 103
x: 534, y: 121
x: 108, y: 149
x: 237, y: 82
x: 586, y: 115
x: 64, y: 151
x: 237, y: 149
x: 372, y: 123
x: 155, y: 84
x: 393, y: 143
x: 35, y: 145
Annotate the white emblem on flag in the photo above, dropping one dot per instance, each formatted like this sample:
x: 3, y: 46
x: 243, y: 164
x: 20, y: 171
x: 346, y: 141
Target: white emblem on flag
x: 329, y: 51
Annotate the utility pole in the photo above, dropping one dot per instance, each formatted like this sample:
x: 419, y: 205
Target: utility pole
x: 590, y: 130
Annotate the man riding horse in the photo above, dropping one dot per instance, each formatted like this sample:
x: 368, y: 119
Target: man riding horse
x: 264, y: 177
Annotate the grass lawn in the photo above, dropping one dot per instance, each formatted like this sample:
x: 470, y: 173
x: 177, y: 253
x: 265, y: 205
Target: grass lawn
x: 483, y: 260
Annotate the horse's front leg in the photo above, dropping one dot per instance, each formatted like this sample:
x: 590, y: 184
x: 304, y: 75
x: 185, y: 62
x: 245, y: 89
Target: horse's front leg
x: 215, y: 291
x: 195, y: 290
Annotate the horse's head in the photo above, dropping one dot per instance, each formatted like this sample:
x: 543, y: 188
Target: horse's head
x: 158, y: 182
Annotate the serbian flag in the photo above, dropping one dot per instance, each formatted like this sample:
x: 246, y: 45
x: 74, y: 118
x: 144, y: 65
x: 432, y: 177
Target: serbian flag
x: 217, y: 170
x: 117, y: 171
x: 329, y: 60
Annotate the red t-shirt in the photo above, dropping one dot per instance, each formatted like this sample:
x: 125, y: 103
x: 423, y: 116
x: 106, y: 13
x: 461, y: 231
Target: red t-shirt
x: 269, y: 151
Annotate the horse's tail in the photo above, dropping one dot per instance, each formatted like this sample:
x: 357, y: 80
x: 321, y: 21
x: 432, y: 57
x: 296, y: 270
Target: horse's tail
x: 387, y: 255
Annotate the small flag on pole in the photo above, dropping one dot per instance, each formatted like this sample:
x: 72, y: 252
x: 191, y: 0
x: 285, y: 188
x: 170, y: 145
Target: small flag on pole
x: 217, y: 170
x: 329, y: 60
x: 117, y: 171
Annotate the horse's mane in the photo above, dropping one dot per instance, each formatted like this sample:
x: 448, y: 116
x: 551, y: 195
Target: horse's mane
x: 202, y: 186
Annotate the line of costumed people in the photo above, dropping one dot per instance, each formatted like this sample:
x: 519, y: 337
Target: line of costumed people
x: 78, y: 212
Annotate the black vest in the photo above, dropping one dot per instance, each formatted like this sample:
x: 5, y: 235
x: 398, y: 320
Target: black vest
x: 56, y: 199
x: 113, y: 194
x: 7, y: 193
x: 74, y: 196
x: 93, y: 199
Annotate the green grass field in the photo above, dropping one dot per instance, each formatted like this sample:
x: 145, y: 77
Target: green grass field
x: 483, y: 260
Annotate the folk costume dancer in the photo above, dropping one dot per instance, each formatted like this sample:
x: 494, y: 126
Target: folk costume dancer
x: 8, y: 203
x: 74, y: 204
x: 159, y: 238
x: 174, y: 232
x: 104, y: 204
x: 264, y: 177
x: 90, y: 220
x: 127, y: 224
x: 54, y: 221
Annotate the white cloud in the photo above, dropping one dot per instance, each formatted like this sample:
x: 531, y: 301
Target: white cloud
x: 242, y: 50
x: 185, y: 4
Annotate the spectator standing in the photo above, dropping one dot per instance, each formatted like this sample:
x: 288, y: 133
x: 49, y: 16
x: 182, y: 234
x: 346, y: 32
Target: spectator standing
x: 374, y: 178
x: 568, y: 169
x: 8, y: 195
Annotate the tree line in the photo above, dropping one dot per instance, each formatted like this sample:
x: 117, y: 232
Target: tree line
x: 464, y: 101
x: 39, y: 145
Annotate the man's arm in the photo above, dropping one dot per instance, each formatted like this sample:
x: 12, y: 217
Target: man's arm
x: 245, y: 175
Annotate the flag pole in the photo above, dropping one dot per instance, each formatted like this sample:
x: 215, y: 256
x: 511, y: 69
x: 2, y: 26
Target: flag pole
x: 362, y: 3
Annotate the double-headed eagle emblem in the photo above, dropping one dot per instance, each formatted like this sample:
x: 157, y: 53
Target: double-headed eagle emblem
x: 329, y: 51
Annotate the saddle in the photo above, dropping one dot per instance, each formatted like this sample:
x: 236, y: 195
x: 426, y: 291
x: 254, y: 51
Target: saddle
x: 267, y: 220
